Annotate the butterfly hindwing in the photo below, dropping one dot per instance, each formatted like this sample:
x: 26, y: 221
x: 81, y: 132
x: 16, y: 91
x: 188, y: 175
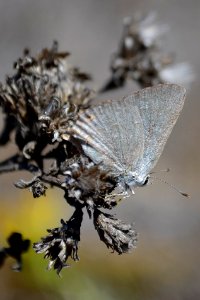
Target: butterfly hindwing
x: 111, y: 133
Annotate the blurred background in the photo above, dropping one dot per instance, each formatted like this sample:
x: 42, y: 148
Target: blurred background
x: 166, y: 262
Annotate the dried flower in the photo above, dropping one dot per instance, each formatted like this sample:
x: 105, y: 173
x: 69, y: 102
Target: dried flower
x: 89, y: 185
x: 43, y: 96
x: 117, y: 235
x: 62, y: 242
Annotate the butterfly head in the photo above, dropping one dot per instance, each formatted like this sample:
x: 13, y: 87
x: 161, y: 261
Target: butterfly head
x: 131, y: 180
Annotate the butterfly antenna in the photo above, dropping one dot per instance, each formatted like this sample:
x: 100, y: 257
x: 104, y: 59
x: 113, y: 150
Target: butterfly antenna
x: 164, y: 170
x: 171, y: 185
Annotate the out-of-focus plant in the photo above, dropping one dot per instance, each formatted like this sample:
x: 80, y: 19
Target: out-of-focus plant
x: 16, y: 247
x: 140, y: 57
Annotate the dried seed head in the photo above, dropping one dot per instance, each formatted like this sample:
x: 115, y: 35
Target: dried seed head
x: 43, y: 95
x: 117, y: 235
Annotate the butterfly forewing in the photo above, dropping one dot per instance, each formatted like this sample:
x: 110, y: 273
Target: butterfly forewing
x: 112, y: 133
x: 159, y: 108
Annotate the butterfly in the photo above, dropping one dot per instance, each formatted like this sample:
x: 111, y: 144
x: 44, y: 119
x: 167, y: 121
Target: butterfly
x: 126, y: 137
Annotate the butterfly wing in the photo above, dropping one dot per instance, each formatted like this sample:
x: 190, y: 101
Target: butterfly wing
x: 111, y: 133
x: 159, y: 109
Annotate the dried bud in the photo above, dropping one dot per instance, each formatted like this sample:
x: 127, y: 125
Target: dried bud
x: 118, y: 236
x: 38, y: 189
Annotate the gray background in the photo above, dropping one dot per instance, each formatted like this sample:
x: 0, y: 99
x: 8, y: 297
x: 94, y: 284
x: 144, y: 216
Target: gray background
x: 90, y: 30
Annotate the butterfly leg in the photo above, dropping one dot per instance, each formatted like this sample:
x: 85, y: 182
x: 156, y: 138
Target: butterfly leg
x: 123, y: 194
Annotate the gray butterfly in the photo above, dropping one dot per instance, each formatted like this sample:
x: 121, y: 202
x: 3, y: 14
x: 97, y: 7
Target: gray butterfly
x: 128, y: 136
